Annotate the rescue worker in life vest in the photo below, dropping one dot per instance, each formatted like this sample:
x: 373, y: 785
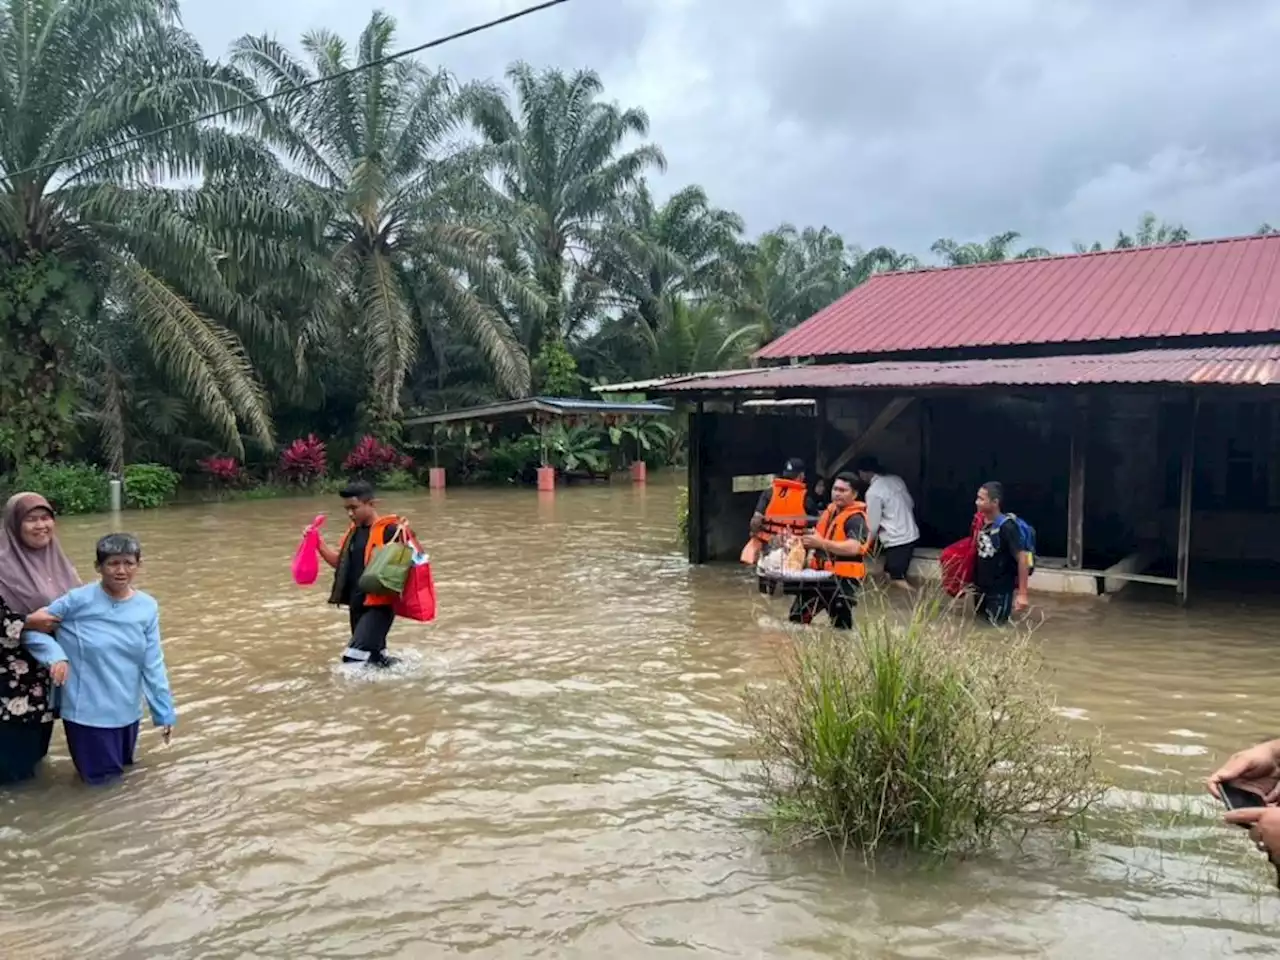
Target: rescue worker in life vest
x: 785, y: 507
x: 371, y: 616
x: 839, y: 545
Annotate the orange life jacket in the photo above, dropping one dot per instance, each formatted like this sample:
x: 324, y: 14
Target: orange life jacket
x: 831, y: 527
x: 785, y: 511
x: 377, y: 538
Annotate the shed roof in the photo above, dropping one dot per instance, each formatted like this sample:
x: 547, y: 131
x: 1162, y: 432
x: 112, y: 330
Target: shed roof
x: 554, y: 406
x: 1201, y: 288
x: 1197, y: 366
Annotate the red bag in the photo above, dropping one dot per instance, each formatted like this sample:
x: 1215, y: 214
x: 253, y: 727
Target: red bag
x: 418, y: 599
x: 957, y: 561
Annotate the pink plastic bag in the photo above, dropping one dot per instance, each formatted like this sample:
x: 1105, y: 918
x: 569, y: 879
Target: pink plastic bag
x: 306, y: 562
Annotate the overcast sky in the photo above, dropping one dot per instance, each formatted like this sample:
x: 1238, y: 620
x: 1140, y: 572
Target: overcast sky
x: 899, y: 122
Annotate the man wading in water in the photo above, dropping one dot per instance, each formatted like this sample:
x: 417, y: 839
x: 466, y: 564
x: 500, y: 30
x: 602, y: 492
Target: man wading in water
x: 371, y: 616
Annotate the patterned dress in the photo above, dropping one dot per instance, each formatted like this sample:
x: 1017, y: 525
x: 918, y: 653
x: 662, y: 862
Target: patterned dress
x: 26, y: 714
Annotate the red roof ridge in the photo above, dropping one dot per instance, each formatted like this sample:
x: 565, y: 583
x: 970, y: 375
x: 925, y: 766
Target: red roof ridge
x: 1076, y: 255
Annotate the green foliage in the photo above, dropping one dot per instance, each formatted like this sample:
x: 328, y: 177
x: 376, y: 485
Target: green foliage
x: 557, y: 371
x: 638, y: 439
x: 398, y: 480
x: 76, y: 83
x: 71, y: 487
x: 919, y: 731
x: 682, y: 517
x: 39, y: 301
x: 573, y: 448
x: 510, y: 456
x: 149, y: 485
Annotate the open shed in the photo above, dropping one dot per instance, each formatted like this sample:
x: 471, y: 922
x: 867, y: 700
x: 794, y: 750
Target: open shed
x: 1128, y: 400
x: 539, y: 412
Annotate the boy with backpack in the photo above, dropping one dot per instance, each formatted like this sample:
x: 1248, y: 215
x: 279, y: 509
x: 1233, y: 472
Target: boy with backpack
x: 1005, y: 545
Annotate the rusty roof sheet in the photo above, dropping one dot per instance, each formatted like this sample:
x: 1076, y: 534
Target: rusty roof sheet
x: 1203, y: 366
x: 1201, y: 288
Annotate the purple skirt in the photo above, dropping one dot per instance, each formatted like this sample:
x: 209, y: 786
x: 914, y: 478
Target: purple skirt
x: 100, y: 753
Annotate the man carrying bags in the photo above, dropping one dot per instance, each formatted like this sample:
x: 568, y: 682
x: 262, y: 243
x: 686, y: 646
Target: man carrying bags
x: 371, y: 605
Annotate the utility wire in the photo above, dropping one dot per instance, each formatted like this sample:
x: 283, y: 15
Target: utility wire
x: 258, y: 101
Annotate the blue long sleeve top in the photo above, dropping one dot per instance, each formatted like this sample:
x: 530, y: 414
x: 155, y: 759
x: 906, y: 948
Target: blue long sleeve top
x: 113, y: 650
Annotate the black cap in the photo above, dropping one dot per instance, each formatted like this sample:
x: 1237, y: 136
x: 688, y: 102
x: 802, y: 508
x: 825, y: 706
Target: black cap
x: 793, y: 467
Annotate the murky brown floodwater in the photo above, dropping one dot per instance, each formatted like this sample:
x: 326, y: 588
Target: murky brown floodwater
x: 552, y: 774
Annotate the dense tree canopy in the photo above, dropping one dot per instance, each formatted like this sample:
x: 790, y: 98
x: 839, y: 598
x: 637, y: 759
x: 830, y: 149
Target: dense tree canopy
x: 366, y: 242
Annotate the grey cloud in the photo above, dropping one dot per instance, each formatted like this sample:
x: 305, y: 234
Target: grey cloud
x: 899, y: 123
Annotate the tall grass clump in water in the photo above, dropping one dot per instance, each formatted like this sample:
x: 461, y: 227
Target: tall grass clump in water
x: 918, y: 730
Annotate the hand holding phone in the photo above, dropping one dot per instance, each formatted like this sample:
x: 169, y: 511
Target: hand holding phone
x: 1235, y: 797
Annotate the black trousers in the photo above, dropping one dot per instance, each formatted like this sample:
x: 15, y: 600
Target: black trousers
x: 837, y: 598
x: 369, y: 629
x: 22, y: 747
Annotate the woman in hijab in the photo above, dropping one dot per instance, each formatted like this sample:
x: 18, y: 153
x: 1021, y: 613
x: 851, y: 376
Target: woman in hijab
x: 33, y: 573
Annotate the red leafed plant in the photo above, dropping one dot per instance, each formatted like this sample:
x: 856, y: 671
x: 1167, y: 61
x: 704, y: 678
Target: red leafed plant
x: 304, y: 461
x: 223, y: 471
x: 373, y: 458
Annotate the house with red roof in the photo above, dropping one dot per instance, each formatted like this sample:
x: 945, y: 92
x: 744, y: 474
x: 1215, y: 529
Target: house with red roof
x: 1129, y: 400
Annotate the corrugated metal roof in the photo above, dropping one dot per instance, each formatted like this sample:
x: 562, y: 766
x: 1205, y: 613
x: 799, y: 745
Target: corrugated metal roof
x: 1207, y: 287
x: 1204, y: 366
x: 556, y: 406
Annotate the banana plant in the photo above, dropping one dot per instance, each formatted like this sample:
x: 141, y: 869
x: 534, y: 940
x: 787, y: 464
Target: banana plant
x: 574, y: 447
x: 644, y: 435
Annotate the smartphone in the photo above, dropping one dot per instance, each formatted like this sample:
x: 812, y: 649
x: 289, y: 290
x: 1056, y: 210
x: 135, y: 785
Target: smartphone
x: 1235, y: 798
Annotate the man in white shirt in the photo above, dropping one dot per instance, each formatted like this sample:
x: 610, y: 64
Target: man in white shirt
x: 890, y: 518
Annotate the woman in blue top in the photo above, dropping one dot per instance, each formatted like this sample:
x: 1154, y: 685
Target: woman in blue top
x: 106, y: 657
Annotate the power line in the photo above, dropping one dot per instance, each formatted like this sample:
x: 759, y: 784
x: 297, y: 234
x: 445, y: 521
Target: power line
x: 258, y: 101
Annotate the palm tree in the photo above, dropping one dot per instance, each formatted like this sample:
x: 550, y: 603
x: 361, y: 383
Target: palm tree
x: 684, y: 247
x: 80, y: 204
x: 787, y: 276
x: 1151, y: 232
x: 995, y: 249
x: 376, y: 166
x: 881, y: 260
x: 564, y: 176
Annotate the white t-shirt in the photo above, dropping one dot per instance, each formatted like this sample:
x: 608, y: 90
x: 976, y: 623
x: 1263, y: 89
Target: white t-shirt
x: 890, y: 516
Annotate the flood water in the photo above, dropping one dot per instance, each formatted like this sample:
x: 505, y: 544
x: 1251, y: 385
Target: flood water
x: 554, y: 771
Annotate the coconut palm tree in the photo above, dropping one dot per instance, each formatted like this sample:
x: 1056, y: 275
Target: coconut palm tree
x: 97, y: 103
x: 994, y: 250
x: 565, y: 175
x: 377, y: 163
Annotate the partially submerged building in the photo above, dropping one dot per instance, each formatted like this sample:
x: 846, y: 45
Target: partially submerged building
x: 1129, y: 401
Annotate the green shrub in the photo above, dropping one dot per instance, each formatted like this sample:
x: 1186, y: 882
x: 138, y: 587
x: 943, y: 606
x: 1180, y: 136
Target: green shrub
x: 507, y: 458
x: 70, y: 487
x: 149, y: 485
x: 918, y: 730
x: 398, y: 480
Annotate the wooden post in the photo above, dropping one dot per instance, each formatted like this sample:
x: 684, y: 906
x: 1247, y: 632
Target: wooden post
x: 1184, y: 500
x: 1075, y: 488
x: 697, y: 477
x: 926, y: 458
x: 820, y: 428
